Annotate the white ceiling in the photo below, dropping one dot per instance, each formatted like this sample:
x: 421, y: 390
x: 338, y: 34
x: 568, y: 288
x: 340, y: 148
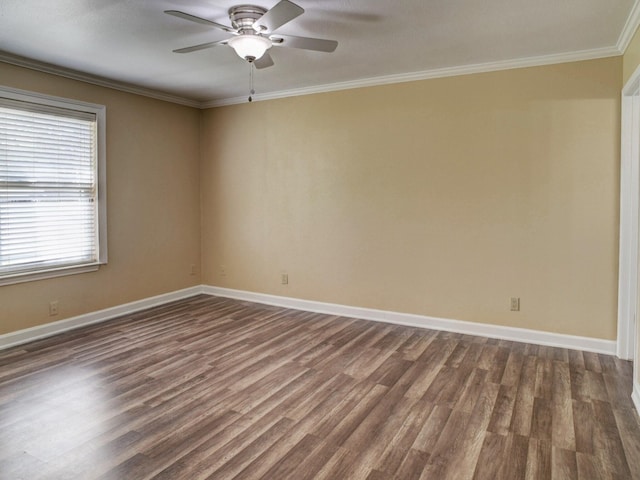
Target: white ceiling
x: 131, y: 41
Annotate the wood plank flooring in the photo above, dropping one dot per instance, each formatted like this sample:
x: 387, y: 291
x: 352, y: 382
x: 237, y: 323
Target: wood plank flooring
x: 212, y: 388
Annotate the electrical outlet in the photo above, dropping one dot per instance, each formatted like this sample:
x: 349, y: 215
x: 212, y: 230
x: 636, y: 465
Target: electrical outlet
x: 53, y: 308
x: 193, y: 269
x: 223, y: 271
x: 284, y: 278
x: 515, y: 304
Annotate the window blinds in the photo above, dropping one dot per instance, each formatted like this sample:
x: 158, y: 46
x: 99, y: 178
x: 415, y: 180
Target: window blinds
x: 48, y: 187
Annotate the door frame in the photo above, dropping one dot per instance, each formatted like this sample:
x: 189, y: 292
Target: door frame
x: 629, y: 210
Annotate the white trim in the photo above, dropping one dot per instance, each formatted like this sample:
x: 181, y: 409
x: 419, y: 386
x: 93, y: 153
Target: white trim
x: 426, y: 75
x: 633, y: 84
x: 24, y: 277
x: 94, y: 79
x: 630, y: 27
x: 98, y: 112
x: 629, y: 210
x: 331, y: 87
x: 470, y: 328
x: 35, y: 333
x: 51, y: 100
x: 635, y: 395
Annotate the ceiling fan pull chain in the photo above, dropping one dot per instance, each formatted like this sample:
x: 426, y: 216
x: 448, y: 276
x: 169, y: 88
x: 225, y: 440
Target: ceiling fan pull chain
x: 251, y: 90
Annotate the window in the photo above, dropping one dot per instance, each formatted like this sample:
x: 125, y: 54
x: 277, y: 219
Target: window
x: 52, y: 186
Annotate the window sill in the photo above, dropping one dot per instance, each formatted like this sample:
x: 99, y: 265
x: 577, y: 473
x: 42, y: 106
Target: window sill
x: 44, y: 274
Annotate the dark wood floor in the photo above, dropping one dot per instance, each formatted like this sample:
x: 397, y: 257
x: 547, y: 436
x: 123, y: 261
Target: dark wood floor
x: 216, y: 388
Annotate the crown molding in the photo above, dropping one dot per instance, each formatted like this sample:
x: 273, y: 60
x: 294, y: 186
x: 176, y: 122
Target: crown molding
x: 629, y: 29
x: 426, y: 75
x: 94, y: 79
x: 330, y: 87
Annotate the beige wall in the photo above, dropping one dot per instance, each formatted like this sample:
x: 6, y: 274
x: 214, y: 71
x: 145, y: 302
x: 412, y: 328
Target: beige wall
x: 153, y: 206
x: 443, y: 197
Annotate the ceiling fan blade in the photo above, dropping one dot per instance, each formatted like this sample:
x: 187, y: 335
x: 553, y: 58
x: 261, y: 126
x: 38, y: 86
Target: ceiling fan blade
x: 306, y: 43
x: 264, y: 61
x: 203, y: 21
x: 202, y: 46
x: 283, y: 12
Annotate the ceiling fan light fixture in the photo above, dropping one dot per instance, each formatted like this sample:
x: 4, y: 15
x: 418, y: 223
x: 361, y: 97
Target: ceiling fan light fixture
x: 250, y: 47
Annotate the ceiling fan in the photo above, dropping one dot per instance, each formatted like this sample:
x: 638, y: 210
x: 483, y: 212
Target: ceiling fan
x: 253, y: 32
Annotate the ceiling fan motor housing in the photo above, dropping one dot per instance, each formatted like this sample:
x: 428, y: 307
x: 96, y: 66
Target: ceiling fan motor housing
x: 244, y: 16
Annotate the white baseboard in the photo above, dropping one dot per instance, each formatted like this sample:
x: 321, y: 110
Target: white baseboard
x: 458, y: 326
x: 421, y: 321
x: 635, y: 396
x: 49, y: 329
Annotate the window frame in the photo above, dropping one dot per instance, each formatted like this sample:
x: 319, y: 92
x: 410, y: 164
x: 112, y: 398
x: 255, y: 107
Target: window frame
x: 101, y: 183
